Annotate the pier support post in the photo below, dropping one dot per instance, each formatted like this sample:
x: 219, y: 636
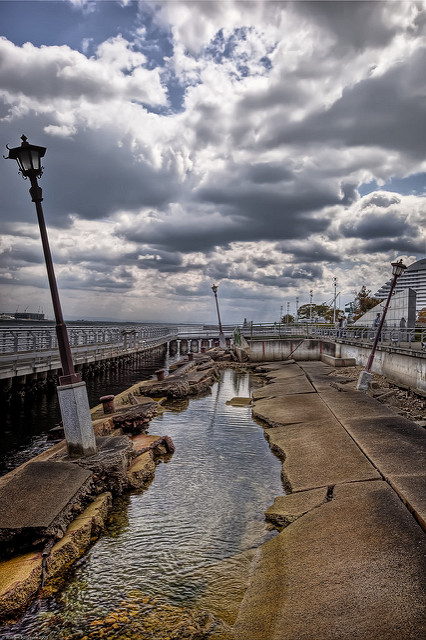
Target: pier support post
x: 77, y: 420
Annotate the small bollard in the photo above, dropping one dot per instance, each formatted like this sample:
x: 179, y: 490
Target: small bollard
x: 108, y: 403
x: 160, y: 374
x: 190, y: 357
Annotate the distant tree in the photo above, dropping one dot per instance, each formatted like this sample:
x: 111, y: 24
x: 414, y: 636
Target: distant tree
x: 363, y: 302
x: 287, y: 318
x: 421, y: 316
x: 318, y: 311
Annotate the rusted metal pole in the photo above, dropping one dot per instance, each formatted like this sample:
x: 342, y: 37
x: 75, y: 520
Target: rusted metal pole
x: 69, y: 376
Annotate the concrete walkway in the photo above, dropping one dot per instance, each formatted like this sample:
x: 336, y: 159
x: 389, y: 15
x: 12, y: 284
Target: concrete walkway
x: 350, y: 560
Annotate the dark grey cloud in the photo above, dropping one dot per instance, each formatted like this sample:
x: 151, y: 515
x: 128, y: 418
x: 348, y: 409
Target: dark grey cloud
x: 354, y: 24
x: 411, y: 245
x: 89, y: 175
x: 387, y: 111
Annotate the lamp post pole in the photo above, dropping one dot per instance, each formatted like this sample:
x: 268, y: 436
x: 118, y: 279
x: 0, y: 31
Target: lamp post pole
x: 310, y: 305
x: 222, y: 339
x: 72, y: 393
x: 334, y: 301
x: 365, y: 376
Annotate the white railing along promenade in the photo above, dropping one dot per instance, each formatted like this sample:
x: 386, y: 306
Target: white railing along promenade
x: 36, y: 348
x: 413, y: 339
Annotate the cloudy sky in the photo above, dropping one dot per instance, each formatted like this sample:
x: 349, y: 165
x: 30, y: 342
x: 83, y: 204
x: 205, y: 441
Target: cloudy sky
x: 264, y: 146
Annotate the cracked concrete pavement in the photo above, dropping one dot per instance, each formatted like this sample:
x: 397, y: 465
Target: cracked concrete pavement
x: 349, y: 561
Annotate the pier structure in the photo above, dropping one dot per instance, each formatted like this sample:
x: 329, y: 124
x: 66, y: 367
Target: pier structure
x: 29, y: 354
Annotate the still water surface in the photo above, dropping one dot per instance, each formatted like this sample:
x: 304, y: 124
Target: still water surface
x: 25, y: 423
x: 205, y: 504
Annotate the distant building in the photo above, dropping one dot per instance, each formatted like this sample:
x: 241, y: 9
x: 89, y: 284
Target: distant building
x: 414, y: 277
x: 28, y: 316
x: 401, y: 311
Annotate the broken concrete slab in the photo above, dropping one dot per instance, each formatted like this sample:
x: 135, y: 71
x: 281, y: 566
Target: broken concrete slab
x: 412, y: 491
x: 230, y: 576
x: 394, y: 444
x: 21, y: 576
x: 141, y: 470
x: 318, y: 374
x: 318, y: 454
x: 397, y: 447
x: 300, y: 384
x: 284, y: 372
x: 291, y: 409
x: 239, y: 402
x: 351, y: 568
x: 273, y: 365
x: 286, y: 509
x: 109, y: 465
x: 354, y: 403
x: 38, y: 500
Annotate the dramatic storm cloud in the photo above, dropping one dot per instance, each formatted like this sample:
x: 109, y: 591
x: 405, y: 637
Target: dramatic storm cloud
x: 264, y: 146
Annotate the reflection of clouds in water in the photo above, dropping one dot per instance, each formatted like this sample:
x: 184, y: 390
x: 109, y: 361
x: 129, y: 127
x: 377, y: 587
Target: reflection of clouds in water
x: 207, y: 504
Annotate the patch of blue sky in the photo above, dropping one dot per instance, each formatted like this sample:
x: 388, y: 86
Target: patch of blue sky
x: 60, y: 23
x: 223, y: 48
x: 414, y: 184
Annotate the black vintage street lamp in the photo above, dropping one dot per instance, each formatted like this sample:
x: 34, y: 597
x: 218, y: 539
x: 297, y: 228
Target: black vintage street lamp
x: 222, y: 339
x: 28, y: 157
x: 365, y: 376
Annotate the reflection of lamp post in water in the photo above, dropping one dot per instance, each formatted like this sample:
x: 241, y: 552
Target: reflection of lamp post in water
x: 365, y: 376
x: 72, y: 392
x: 222, y: 339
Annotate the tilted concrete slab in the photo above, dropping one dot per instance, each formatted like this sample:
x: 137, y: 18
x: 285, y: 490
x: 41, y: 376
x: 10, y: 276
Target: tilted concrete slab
x: 271, y: 366
x: 350, y: 568
x: 285, y: 372
x: 350, y: 403
x: 319, y: 375
x: 319, y: 454
x: 300, y: 384
x: 286, y: 509
x: 298, y: 408
x: 394, y: 444
x: 38, y: 498
x: 397, y: 447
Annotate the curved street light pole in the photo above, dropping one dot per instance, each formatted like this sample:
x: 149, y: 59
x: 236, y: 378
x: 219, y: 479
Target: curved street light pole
x: 365, y: 376
x: 222, y: 339
x: 72, y: 392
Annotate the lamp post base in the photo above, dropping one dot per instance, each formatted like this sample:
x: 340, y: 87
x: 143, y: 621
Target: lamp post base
x: 222, y: 341
x: 364, y: 381
x: 77, y: 420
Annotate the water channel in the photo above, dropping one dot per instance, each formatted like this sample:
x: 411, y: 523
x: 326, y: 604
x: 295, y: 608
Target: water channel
x: 204, y: 505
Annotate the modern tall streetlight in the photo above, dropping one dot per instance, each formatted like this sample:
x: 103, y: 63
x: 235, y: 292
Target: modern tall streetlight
x: 334, y: 301
x: 364, y: 379
x: 222, y: 339
x: 310, y: 304
x: 72, y: 392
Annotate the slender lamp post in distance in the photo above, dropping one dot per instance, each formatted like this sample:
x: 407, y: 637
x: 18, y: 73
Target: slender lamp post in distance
x: 222, y: 339
x: 72, y: 391
x: 365, y: 376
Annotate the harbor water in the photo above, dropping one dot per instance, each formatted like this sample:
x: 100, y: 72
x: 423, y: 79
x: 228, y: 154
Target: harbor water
x: 205, y: 504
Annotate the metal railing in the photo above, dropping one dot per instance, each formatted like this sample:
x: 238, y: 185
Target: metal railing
x: 414, y: 339
x: 15, y: 340
x: 33, y: 348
